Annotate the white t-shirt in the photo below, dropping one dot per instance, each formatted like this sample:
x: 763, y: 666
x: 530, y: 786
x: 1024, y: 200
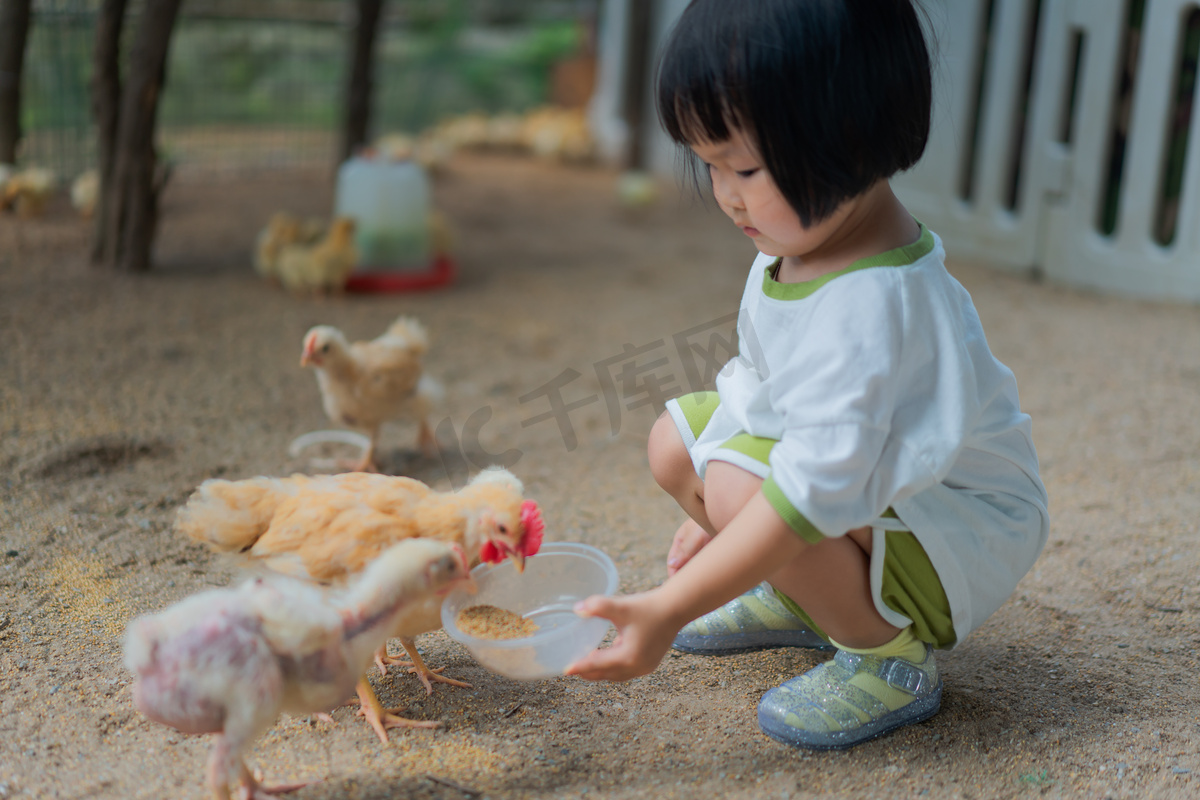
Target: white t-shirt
x: 878, y: 383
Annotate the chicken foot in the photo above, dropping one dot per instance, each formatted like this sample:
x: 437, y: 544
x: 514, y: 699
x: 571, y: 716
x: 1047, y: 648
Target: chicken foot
x: 382, y: 719
x: 416, y: 665
x: 367, y: 462
x: 250, y: 788
x: 426, y: 441
x: 249, y: 785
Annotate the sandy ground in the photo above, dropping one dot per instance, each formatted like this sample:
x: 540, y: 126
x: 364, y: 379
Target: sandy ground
x: 120, y: 394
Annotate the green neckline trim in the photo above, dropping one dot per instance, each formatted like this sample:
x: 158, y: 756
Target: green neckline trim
x: 897, y: 257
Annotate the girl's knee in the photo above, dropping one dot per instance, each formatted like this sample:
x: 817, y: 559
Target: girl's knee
x: 670, y: 462
x: 727, y: 489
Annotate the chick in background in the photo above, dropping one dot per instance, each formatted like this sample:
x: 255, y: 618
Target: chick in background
x: 85, y: 190
x: 28, y: 191
x: 367, y: 383
x: 281, y: 230
x: 323, y: 267
x: 558, y: 133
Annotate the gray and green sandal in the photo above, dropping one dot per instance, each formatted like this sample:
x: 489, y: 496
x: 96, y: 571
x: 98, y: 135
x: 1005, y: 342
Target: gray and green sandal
x: 850, y: 700
x: 756, y: 620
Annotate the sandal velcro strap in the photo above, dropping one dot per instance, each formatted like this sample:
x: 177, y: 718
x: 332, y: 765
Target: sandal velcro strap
x: 896, y: 673
x: 904, y: 677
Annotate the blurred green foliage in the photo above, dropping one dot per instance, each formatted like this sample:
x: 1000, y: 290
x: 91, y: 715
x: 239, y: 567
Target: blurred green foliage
x: 436, y: 58
x: 235, y: 71
x: 229, y: 71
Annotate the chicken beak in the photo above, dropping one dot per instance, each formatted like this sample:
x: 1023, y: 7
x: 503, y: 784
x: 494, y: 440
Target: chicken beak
x: 518, y: 560
x: 309, y: 356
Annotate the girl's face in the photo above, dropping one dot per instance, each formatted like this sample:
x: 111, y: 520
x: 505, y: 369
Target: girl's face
x: 748, y: 195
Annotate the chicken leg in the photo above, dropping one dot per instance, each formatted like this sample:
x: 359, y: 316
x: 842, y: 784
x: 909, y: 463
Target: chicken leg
x: 249, y: 787
x: 426, y: 441
x: 367, y: 462
x: 416, y: 665
x: 382, y: 719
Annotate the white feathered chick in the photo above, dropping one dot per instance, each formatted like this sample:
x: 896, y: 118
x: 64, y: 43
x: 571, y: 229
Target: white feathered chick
x: 228, y: 661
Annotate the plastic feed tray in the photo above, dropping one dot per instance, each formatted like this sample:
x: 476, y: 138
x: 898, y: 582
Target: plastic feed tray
x: 559, y: 576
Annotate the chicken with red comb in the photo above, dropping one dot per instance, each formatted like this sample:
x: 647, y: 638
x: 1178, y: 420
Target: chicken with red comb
x: 498, y: 548
x: 327, y: 528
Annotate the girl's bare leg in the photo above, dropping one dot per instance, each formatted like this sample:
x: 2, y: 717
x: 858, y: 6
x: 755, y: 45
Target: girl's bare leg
x: 672, y: 469
x: 830, y: 580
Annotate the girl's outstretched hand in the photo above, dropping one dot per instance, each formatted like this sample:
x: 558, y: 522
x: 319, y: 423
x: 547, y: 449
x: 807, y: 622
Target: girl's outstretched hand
x: 644, y: 635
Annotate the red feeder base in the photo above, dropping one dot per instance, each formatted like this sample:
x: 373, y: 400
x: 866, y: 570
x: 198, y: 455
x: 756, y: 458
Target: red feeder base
x: 440, y: 273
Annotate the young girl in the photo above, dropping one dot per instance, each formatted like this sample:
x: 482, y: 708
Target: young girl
x: 865, y: 453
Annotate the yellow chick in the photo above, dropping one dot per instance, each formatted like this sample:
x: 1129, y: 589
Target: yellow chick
x: 85, y: 190
x: 29, y: 190
x: 320, y: 267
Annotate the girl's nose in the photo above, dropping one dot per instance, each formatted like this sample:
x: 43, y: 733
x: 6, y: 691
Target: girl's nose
x: 724, y: 191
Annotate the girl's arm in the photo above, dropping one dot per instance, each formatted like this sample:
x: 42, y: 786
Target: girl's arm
x: 748, y: 550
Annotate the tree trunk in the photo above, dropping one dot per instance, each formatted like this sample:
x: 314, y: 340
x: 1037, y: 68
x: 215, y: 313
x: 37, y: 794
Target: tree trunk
x: 131, y: 215
x: 106, y: 106
x: 362, y: 68
x: 14, y: 31
x: 637, y: 66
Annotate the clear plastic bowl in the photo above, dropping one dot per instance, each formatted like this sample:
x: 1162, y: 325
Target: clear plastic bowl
x: 559, y: 576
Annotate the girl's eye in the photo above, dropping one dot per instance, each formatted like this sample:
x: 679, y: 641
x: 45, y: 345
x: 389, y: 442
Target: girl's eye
x: 746, y: 173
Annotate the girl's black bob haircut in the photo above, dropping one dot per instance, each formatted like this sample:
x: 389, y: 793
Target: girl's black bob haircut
x: 835, y: 94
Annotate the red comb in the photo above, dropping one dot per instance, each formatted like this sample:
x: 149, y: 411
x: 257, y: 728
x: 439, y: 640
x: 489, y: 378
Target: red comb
x: 531, y: 518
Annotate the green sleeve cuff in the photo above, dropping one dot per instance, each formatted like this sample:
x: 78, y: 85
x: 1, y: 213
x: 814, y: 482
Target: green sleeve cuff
x: 784, y: 508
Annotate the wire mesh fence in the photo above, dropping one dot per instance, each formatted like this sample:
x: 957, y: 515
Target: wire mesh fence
x: 258, y: 84
x: 55, y: 113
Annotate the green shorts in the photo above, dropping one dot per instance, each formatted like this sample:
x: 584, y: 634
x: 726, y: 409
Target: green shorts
x: 903, y: 581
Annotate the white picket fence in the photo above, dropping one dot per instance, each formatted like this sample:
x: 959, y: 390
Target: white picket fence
x: 1057, y: 222
x: 1029, y: 118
